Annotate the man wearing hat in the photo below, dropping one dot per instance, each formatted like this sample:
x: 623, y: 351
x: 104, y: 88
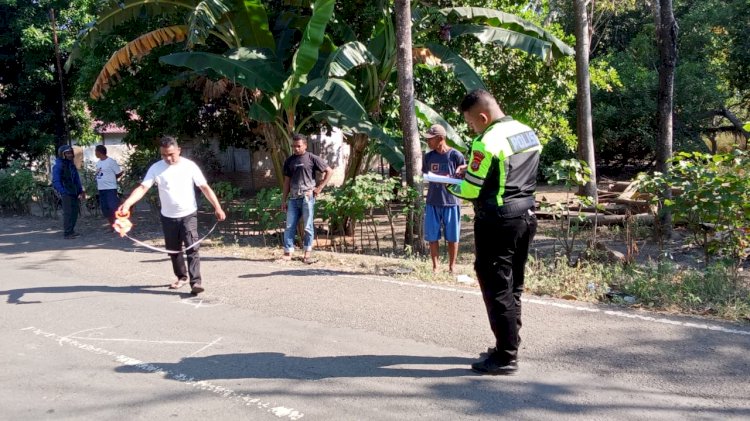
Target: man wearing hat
x: 442, y: 210
x: 67, y: 184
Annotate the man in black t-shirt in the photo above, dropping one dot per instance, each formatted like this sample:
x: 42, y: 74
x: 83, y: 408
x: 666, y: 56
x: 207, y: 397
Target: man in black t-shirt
x: 300, y: 191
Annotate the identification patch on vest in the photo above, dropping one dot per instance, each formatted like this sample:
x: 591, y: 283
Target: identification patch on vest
x: 476, y: 160
x: 522, y: 141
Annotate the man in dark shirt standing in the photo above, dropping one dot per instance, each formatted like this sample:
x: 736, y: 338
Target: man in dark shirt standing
x: 300, y: 191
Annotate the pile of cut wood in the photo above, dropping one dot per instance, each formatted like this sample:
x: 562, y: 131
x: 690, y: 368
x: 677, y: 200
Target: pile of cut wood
x: 620, y: 200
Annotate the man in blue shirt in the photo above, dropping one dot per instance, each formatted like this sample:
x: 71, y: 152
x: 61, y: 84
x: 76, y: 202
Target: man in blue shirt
x: 442, y: 208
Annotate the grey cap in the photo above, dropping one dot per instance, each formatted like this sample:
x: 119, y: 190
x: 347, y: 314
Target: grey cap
x: 435, y: 130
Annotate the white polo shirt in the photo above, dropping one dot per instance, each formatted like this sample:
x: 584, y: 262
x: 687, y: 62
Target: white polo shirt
x: 106, y: 174
x: 176, y: 186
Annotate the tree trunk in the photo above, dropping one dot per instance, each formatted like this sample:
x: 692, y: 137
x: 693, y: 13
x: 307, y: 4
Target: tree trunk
x: 583, y: 96
x: 412, y: 150
x: 667, y: 42
x: 358, y: 143
x: 275, y: 144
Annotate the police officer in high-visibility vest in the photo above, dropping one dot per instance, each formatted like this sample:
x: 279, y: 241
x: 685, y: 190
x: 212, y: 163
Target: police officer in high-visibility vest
x: 500, y: 181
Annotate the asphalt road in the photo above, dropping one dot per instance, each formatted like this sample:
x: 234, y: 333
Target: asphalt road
x: 90, y: 331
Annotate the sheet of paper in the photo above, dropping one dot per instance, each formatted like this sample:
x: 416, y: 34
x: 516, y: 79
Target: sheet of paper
x: 434, y: 178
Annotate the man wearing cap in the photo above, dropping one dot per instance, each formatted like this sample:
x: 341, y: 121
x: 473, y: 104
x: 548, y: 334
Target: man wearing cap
x: 442, y: 210
x: 67, y: 184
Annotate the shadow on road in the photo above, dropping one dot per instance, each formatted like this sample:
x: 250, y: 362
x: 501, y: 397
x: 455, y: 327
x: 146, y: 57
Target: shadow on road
x: 477, y: 395
x: 275, y: 365
x: 15, y: 295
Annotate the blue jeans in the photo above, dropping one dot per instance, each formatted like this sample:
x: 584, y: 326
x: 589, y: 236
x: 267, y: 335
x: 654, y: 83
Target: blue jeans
x: 302, y: 207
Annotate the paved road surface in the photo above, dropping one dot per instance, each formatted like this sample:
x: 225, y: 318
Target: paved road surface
x: 90, y: 331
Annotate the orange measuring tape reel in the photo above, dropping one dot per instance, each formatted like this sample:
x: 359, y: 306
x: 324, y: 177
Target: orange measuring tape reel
x: 122, y: 223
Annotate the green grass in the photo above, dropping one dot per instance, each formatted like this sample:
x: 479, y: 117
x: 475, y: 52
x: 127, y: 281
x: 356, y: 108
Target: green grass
x: 655, y: 286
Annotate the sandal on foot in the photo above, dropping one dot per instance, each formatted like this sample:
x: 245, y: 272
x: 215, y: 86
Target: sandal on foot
x: 178, y: 284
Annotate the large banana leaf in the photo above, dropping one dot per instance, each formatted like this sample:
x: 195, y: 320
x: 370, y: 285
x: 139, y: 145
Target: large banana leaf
x: 134, y: 51
x: 514, y: 23
x: 307, y: 54
x: 383, y: 45
x: 124, y: 11
x: 337, y: 94
x: 263, y: 111
x: 347, y: 57
x: 209, y: 16
x: 506, y: 38
x: 428, y: 116
x: 251, y: 20
x: 463, y: 70
x: 245, y: 67
x: 388, y: 147
x: 118, y: 14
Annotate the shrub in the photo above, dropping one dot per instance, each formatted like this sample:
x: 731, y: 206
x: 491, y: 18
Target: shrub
x: 17, y: 188
x: 712, y: 200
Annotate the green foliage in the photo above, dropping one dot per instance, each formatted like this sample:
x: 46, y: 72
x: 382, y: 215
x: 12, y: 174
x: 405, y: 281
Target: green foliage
x: 535, y: 92
x: 17, y: 188
x: 264, y: 211
x: 357, y: 198
x: 227, y: 193
x: 709, y: 77
x: 713, y: 200
x: 31, y: 119
x: 135, y: 168
x: 570, y: 172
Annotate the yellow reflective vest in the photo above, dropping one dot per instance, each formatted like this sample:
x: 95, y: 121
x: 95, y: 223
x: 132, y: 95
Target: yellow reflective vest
x: 502, y: 167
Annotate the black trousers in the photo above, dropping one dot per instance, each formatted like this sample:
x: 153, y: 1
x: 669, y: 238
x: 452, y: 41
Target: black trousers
x: 502, y: 247
x: 179, y: 233
x: 70, y: 208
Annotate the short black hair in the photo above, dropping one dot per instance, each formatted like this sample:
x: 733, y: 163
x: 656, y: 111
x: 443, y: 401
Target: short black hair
x: 476, y: 97
x: 101, y: 149
x: 298, y: 136
x: 167, y: 141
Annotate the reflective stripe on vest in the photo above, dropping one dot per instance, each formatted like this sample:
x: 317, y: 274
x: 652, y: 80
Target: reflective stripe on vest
x: 502, y: 139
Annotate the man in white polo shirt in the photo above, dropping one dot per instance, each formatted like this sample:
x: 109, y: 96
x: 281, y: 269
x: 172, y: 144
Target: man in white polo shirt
x: 176, y: 177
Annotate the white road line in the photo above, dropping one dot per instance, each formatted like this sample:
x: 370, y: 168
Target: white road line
x: 242, y: 398
x: 621, y: 314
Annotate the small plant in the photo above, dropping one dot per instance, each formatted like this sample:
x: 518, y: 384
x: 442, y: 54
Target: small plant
x: 572, y: 173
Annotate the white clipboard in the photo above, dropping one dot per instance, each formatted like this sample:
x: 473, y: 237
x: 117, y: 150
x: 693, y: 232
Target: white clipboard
x: 443, y: 179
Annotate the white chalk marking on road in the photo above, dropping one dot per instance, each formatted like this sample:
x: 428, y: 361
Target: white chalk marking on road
x: 207, y: 345
x: 74, y: 335
x: 195, y: 302
x: 621, y: 314
x: 242, y: 398
x: 60, y: 342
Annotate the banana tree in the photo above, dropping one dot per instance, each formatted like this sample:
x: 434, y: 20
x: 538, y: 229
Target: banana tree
x: 254, y: 60
x: 375, y: 76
